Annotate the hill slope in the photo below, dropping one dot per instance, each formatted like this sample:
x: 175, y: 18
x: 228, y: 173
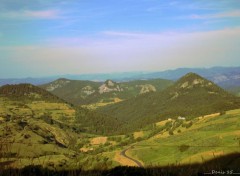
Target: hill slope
x: 38, y: 128
x: 26, y: 92
x: 190, y: 96
x: 32, y: 101
x: 89, y: 92
x: 174, y: 142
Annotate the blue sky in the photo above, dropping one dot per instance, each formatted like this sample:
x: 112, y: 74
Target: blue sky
x: 42, y: 37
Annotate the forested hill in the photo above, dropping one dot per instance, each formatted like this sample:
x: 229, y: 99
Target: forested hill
x: 27, y: 92
x: 192, y: 95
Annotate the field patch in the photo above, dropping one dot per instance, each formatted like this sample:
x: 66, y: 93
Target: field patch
x: 99, y: 140
x: 138, y: 134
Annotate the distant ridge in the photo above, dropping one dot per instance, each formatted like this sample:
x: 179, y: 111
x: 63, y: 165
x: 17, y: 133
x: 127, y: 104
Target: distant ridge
x: 80, y: 92
x: 223, y: 76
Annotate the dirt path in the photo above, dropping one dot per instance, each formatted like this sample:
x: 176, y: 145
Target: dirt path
x: 123, y: 153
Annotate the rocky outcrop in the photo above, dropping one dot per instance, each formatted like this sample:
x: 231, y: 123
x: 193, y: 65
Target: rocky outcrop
x: 88, y: 90
x: 57, y: 84
x: 146, y: 88
x: 109, y: 86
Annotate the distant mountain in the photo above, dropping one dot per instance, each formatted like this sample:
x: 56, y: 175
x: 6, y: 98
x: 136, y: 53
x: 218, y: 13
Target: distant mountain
x: 225, y: 77
x: 88, y: 92
x: 222, y: 76
x: 191, y: 96
x: 34, y: 81
x: 72, y: 91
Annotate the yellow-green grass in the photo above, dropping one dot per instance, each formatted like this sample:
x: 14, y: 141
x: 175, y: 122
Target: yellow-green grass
x: 94, y: 106
x: 138, y: 134
x: 111, y: 155
x: 38, y: 108
x: 58, y: 111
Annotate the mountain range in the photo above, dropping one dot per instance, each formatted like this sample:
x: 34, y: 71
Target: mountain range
x: 80, y: 92
x: 218, y: 74
x: 225, y: 77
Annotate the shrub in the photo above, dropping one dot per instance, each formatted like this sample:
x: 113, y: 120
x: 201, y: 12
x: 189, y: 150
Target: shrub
x: 222, y: 112
x: 171, y: 132
x: 183, y: 148
x: 189, y: 124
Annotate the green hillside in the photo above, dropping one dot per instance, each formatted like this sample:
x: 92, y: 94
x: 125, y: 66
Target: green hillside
x: 175, y: 143
x: 190, y: 96
x: 27, y: 92
x: 101, y: 93
x: 234, y: 90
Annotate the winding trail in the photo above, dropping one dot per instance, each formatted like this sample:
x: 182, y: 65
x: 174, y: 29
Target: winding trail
x: 123, y: 153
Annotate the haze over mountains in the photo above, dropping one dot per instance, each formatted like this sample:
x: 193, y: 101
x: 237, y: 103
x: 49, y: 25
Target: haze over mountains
x: 215, y: 74
x: 226, y: 77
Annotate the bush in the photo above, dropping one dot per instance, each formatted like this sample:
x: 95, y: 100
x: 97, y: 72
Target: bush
x: 189, y: 124
x: 171, y: 132
x: 183, y: 148
x: 222, y: 112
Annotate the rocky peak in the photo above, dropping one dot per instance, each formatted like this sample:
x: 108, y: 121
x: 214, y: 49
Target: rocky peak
x: 109, y: 86
x: 146, y: 88
x: 87, y: 90
x: 191, y: 80
x: 110, y: 83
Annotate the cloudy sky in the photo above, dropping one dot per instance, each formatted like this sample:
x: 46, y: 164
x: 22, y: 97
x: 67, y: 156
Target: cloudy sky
x: 43, y: 37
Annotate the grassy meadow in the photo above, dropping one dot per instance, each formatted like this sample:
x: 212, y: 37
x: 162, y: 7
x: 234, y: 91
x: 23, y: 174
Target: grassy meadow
x: 208, y: 137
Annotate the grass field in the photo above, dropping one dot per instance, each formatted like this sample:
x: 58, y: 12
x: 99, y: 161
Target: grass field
x: 208, y: 137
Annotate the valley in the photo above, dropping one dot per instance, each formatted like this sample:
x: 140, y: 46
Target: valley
x: 189, y: 121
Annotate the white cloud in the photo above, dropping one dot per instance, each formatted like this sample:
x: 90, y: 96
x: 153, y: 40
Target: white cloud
x: 30, y: 14
x: 230, y: 14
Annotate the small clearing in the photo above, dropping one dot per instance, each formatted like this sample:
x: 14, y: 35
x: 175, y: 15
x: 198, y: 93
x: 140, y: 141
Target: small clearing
x: 99, y: 140
x: 138, y: 134
x: 162, y: 123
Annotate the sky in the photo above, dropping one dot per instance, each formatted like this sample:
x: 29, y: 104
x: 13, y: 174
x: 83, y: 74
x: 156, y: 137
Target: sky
x: 43, y: 38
